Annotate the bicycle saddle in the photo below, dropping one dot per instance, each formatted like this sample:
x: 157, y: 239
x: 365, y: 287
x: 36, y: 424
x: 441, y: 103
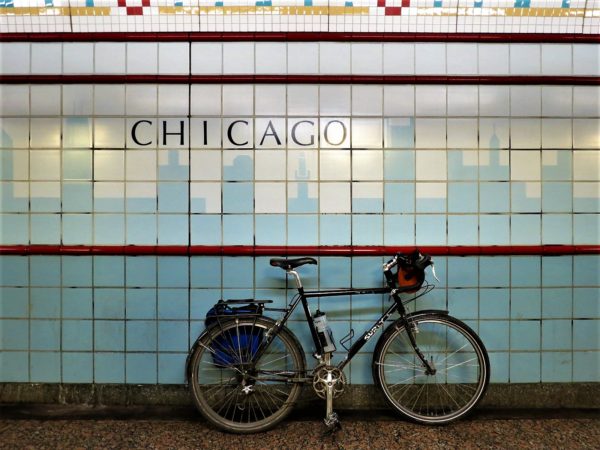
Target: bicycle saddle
x: 289, y: 264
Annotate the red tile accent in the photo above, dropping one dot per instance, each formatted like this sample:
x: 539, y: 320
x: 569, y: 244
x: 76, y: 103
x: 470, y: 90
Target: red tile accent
x: 393, y: 11
x: 135, y: 11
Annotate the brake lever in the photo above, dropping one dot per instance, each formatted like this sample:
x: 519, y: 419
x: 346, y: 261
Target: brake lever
x: 433, y: 273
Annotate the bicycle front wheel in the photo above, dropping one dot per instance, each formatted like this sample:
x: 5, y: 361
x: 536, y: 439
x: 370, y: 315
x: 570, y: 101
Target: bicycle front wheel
x: 235, y: 390
x: 460, y: 363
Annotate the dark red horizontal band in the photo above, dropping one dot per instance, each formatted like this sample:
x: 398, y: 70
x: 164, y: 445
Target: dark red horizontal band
x: 300, y: 79
x: 308, y: 37
x: 261, y: 250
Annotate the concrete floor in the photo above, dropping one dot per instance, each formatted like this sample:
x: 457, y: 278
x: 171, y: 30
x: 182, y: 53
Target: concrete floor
x: 55, y: 427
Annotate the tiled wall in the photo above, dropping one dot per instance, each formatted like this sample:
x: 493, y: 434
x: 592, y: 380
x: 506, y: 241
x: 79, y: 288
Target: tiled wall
x: 433, y: 16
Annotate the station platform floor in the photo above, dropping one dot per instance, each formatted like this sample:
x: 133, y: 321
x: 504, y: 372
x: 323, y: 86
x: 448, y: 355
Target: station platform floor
x: 24, y: 426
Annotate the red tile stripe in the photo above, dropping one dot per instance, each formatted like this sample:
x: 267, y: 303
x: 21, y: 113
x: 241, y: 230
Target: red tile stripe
x: 260, y: 250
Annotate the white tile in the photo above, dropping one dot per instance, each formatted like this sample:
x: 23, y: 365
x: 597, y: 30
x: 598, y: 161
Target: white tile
x: 45, y: 100
x: 17, y: 132
x: 142, y: 57
x: 238, y: 57
x: 303, y: 165
x: 206, y: 99
x: 334, y: 99
x: 367, y: 100
x: 207, y: 58
x: 270, y: 165
x: 15, y: 100
x: 109, y: 58
x: 557, y: 133
x: 462, y: 133
x: 15, y: 58
x: 174, y: 58
x: 78, y: 57
x: 44, y: 165
x: 494, y: 133
x: 205, y: 165
x: 335, y: 132
x: 238, y: 132
x: 367, y: 133
x: 557, y: 101
x: 430, y: 133
x: 45, y: 133
x: 367, y: 165
x: 462, y: 59
x: 557, y: 59
x: 398, y: 58
x: 173, y: 99
x: 430, y: 100
x: 109, y: 133
x: 269, y: 198
x: 525, y: 101
x: 399, y: 100
x: 430, y: 190
x: 141, y: 99
x: 238, y: 99
x: 494, y: 59
x: 463, y: 100
x: 335, y: 165
x: 109, y: 99
x: 525, y: 133
x: 270, y: 99
x: 303, y: 99
x: 585, y: 133
x: 586, y: 101
x: 586, y: 165
x: 430, y: 59
x: 271, y: 57
x: 78, y: 99
x: 334, y: 198
x: 586, y: 59
x: 431, y: 165
x: 367, y: 58
x: 303, y: 57
x: 109, y: 165
x: 494, y: 100
x: 46, y: 58
x: 269, y: 132
x: 211, y: 193
x: 367, y: 191
x: 525, y: 59
x: 334, y: 58
x: 525, y: 165
x: 140, y: 165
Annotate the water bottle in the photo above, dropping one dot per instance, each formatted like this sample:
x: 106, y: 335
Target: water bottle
x: 324, y: 332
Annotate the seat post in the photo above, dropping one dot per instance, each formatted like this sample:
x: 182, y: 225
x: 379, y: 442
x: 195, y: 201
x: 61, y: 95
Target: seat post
x: 297, y: 277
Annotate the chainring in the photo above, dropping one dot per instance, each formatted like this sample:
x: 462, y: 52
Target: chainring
x: 324, y: 376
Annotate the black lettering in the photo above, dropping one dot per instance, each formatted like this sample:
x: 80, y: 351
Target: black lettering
x: 273, y: 133
x: 326, y: 136
x: 166, y: 133
x: 312, y: 137
x: 133, y: 131
x: 206, y: 132
x: 230, y: 131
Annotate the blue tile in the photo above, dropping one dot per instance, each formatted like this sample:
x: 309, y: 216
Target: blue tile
x: 399, y: 197
x: 140, y: 271
x: 431, y: 205
x: 238, y: 229
x: 441, y: 270
x: 205, y: 229
x: 525, y: 368
x: 494, y: 303
x: 494, y: 334
x: 585, y: 229
x: 205, y: 272
x: 109, y: 303
x: 525, y: 229
x: 141, y: 368
x: 45, y: 271
x: 585, y: 366
x: 242, y: 167
x: 109, y: 229
x: 367, y: 229
x: 360, y: 369
x: 109, y: 335
x: 173, y: 336
x: 334, y: 272
x: 14, y: 302
x: 201, y: 300
x: 246, y: 294
x: 238, y: 197
x: 463, y: 198
x: 557, y: 271
x: 590, y: 203
x: 141, y: 204
x: 457, y: 169
x: 77, y: 335
x: 141, y: 335
x: 557, y: 303
x: 525, y: 303
x: 339, y: 314
x: 77, y: 368
x: 335, y: 229
x: 499, y: 367
x: 524, y: 201
x: 303, y: 230
x: 495, y: 169
x: 462, y: 271
x: 45, y: 229
x: 77, y: 197
x: 433, y: 300
x: 171, y: 368
x: 556, y: 335
x: 525, y: 271
x: 14, y: 367
x: 140, y: 303
x: 45, y: 367
x: 15, y: 229
x: 45, y: 303
x: 586, y: 303
x: 463, y: 303
x: 76, y: 271
x: 239, y: 272
x: 494, y: 271
x: 279, y: 297
x: 400, y: 132
x: 557, y: 367
x: 557, y: 197
x: 366, y: 205
x: 109, y: 367
x: 141, y: 229
x: 525, y: 335
x: 45, y: 204
x: 463, y: 230
x: 14, y: 270
x: 172, y: 303
x: 77, y: 229
x: 586, y: 334
x: 77, y: 303
x: 270, y: 229
x: 557, y: 229
x: 398, y: 229
x: 399, y: 165
x: 9, y: 202
x: 431, y: 230
x: 77, y: 164
x: 306, y: 200
x: 173, y: 271
x: 366, y: 272
x: 561, y: 170
x: 14, y: 334
x: 367, y: 307
x: 266, y: 275
x: 173, y: 229
x: 494, y: 197
x: 109, y: 204
x: 586, y: 269
x: 173, y: 197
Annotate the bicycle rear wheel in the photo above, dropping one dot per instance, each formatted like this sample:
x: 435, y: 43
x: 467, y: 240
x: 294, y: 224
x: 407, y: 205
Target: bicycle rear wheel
x: 232, y: 389
x: 460, y: 360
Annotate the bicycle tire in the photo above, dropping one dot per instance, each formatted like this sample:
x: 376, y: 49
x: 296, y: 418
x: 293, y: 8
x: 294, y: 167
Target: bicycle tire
x: 458, y: 355
x: 272, y: 384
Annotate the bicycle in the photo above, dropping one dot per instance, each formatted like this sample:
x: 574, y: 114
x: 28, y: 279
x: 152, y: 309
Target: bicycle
x: 246, y: 370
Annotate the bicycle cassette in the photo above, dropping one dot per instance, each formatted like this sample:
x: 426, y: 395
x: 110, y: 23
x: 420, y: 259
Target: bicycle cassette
x: 328, y: 376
